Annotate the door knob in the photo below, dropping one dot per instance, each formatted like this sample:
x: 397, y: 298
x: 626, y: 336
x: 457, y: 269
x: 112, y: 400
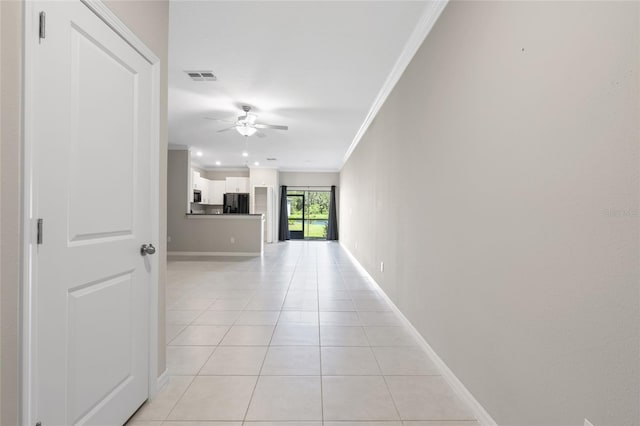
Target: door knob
x: 147, y: 249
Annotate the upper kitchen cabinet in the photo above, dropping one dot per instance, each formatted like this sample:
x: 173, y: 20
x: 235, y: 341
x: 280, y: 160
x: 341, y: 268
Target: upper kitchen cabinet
x: 194, y: 184
x: 205, y: 190
x: 198, y: 183
x: 237, y: 185
x: 196, y: 180
x: 216, y: 191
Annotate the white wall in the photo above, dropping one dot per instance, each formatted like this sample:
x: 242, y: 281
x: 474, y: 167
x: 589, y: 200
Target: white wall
x: 499, y: 184
x: 266, y: 177
x: 263, y: 177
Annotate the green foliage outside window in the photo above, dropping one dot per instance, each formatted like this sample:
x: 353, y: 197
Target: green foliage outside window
x: 314, y: 210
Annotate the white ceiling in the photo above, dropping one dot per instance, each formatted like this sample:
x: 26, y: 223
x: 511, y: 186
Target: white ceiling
x: 314, y: 66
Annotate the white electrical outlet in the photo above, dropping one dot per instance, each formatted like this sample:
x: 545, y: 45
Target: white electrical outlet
x: 381, y: 266
x: 233, y: 240
x: 587, y: 423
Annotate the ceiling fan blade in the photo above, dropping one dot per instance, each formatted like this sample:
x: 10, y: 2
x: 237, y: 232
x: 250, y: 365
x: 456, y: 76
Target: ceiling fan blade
x: 219, y: 119
x: 271, y: 126
x: 226, y: 130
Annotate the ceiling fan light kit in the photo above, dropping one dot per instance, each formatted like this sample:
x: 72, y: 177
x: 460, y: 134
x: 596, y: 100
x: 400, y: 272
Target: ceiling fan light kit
x: 247, y: 126
x: 245, y: 129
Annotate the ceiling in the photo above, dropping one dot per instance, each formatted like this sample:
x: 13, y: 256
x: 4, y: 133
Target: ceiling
x: 314, y: 66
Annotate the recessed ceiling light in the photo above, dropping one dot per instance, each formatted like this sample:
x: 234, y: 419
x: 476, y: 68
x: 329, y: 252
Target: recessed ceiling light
x: 199, y: 153
x: 256, y: 163
x: 218, y: 163
x: 245, y: 154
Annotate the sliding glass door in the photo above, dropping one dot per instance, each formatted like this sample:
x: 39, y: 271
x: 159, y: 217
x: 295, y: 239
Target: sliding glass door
x: 295, y: 205
x: 308, y: 214
x: 316, y: 215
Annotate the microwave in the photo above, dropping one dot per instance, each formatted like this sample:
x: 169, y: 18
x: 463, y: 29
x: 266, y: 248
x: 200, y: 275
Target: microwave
x: 197, y: 196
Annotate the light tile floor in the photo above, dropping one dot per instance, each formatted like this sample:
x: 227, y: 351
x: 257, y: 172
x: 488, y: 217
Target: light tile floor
x: 297, y: 337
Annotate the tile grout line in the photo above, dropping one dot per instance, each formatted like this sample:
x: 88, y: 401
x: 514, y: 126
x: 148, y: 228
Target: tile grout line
x: 206, y: 361
x: 246, y: 412
x: 190, y: 323
x: 201, y: 367
x: 173, y: 406
x: 193, y: 378
x: 319, y: 341
x: 357, y: 287
x: 395, y: 406
x: 319, y: 325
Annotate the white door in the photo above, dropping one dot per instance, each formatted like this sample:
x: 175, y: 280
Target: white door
x: 92, y: 149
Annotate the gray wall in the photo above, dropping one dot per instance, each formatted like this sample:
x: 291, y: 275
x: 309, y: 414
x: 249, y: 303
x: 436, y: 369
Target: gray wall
x: 213, y: 234
x: 149, y: 20
x: 223, y: 174
x: 10, y: 171
x: 501, y: 180
x: 178, y: 169
x: 309, y: 178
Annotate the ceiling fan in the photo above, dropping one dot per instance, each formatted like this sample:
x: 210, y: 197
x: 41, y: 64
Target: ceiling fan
x: 246, y: 124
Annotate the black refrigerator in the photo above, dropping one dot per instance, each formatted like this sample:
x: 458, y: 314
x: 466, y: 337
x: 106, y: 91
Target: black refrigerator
x: 236, y: 203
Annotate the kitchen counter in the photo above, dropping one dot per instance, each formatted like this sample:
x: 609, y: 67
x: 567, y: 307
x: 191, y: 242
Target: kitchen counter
x: 228, y: 234
x: 225, y: 216
x: 222, y: 214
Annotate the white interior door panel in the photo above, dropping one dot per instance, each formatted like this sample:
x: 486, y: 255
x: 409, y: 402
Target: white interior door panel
x: 92, y: 151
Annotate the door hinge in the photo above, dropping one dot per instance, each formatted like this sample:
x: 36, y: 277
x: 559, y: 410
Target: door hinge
x: 43, y: 25
x: 39, y: 231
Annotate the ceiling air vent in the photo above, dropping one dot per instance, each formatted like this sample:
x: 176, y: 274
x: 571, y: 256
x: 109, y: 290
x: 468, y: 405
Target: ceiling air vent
x: 201, y: 75
x: 271, y: 159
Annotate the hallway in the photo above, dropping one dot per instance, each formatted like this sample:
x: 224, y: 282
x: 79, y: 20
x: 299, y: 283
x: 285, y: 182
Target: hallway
x: 298, y: 337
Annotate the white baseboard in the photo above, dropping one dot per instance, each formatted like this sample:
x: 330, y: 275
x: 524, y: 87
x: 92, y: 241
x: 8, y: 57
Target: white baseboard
x: 212, y: 253
x: 481, y: 415
x: 162, y: 381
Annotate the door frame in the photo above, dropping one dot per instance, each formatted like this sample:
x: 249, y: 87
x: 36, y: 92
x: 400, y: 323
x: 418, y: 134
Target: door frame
x: 29, y: 267
x: 270, y: 219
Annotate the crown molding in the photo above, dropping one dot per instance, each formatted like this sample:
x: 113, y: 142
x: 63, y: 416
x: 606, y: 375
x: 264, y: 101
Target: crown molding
x: 419, y: 34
